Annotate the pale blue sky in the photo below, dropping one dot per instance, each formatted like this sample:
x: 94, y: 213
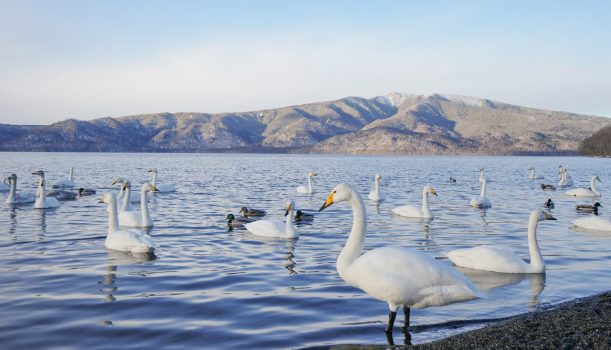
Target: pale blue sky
x: 87, y: 59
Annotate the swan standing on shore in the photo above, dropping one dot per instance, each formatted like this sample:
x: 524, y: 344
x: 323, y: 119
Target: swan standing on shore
x: 66, y: 183
x: 132, y: 240
x: 42, y: 201
x: 275, y: 228
x: 397, y: 276
x: 585, y: 192
x: 160, y: 188
x: 412, y: 211
x: 138, y: 219
x: 309, y: 189
x: 18, y: 198
x: 499, y: 259
x: 375, y: 195
x: 533, y: 174
x: 482, y: 201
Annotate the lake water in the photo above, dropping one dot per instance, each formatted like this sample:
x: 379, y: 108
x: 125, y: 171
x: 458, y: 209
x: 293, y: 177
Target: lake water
x: 210, y: 288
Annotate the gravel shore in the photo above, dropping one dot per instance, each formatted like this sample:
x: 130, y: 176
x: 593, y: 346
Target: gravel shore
x: 581, y: 324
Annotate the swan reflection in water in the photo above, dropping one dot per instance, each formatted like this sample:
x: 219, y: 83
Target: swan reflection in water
x: 486, y: 281
x: 289, y: 263
x: 114, y: 259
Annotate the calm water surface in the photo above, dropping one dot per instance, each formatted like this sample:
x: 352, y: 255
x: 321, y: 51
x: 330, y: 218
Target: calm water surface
x: 207, y: 287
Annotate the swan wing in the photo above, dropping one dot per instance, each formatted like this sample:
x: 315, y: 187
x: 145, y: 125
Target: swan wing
x: 402, y: 276
x: 135, y: 241
x: 581, y: 192
x: 409, y: 211
x: 302, y: 189
x: 593, y: 223
x: 24, y: 197
x: 267, y: 228
x: 489, y: 258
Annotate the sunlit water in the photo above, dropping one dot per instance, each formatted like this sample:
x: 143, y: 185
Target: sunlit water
x: 207, y: 287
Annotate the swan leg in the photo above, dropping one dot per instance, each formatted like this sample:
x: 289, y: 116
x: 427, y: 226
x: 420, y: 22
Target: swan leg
x: 391, y: 321
x: 406, y: 312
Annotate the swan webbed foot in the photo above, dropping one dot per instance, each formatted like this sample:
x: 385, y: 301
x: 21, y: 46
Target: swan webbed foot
x: 391, y: 322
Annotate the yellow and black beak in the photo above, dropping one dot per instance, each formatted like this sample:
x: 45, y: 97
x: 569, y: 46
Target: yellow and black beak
x: 288, y: 209
x: 549, y: 216
x: 328, y: 202
x: 433, y: 192
x: 153, y: 188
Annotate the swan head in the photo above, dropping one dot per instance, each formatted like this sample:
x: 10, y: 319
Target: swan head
x: 117, y: 180
x: 127, y: 185
x: 430, y: 189
x: 153, y: 170
x: 378, y: 177
x: 340, y: 193
x: 311, y: 173
x: 108, y: 198
x: 12, y: 178
x: 290, y: 205
x: 40, y: 173
x: 481, y: 170
x: 543, y: 215
x: 596, y: 178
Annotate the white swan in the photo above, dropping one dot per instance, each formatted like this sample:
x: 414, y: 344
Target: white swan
x: 162, y: 187
x: 565, y: 179
x: 398, y: 276
x: 132, y: 240
x: 122, y: 191
x: 412, y: 211
x: 499, y: 259
x: 5, y: 186
x: 138, y: 219
x: 585, y: 192
x: 42, y: 201
x: 594, y: 223
x: 482, y: 201
x: 275, y: 228
x: 66, y: 183
x: 21, y: 197
x: 309, y: 189
x: 533, y: 174
x: 375, y: 194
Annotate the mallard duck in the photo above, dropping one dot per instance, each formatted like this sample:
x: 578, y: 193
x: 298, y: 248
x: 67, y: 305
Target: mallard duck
x: 452, y: 180
x: 586, y: 208
x: 548, y: 187
x: 85, y: 192
x: 301, y: 216
x: 245, y: 212
x: 549, y: 204
x: 61, y: 195
x: 232, y: 221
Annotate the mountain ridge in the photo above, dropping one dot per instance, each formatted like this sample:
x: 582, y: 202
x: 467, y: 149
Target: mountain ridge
x: 395, y: 123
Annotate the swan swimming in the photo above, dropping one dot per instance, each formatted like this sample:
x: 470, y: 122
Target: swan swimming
x: 66, y: 183
x: 138, y: 219
x: 411, y: 211
x: 5, y: 186
x: 482, y: 201
x: 131, y: 240
x: 375, y: 194
x: 21, y: 197
x: 42, y: 201
x: 275, y: 228
x: 160, y: 188
x: 122, y: 192
x: 309, y: 189
x: 499, y: 259
x: 585, y: 192
x: 565, y: 178
x: 593, y: 223
x: 398, y: 276
x: 533, y: 175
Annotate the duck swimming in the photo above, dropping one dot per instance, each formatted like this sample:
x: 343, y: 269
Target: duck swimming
x: 301, y: 216
x: 549, y: 204
x: 245, y: 212
x: 85, y: 192
x: 586, y: 208
x: 232, y: 221
x: 62, y: 195
x: 548, y: 187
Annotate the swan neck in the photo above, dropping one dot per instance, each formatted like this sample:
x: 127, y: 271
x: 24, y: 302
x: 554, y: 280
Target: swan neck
x: 425, y: 202
x: 113, y: 217
x: 289, y: 228
x: 127, y: 194
x: 536, y: 260
x: 354, y: 245
x: 154, y: 183
x: 42, y: 196
x: 309, y: 183
x: 377, y: 186
x: 592, y: 186
x: 71, y: 177
x: 144, y: 208
x: 12, y: 193
x: 483, y: 190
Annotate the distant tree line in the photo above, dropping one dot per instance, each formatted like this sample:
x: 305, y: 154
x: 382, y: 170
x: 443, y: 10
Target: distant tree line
x: 598, y: 144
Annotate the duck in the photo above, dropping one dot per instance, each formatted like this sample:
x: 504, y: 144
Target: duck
x: 21, y: 197
x: 499, y: 259
x: 548, y: 187
x: 375, y: 194
x: 134, y: 218
x: 300, y: 216
x: 412, y: 211
x: 549, y: 204
x: 593, y: 223
x: 85, y: 192
x: 66, y: 183
x: 232, y: 221
x: 309, y: 189
x: 62, y: 195
x: 163, y: 188
x: 275, y: 228
x: 245, y: 212
x: 129, y: 240
x: 452, y: 180
x: 42, y: 201
x: 586, y: 208
x: 533, y: 175
x: 482, y: 201
x: 5, y: 186
x: 585, y: 192
x: 396, y: 275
